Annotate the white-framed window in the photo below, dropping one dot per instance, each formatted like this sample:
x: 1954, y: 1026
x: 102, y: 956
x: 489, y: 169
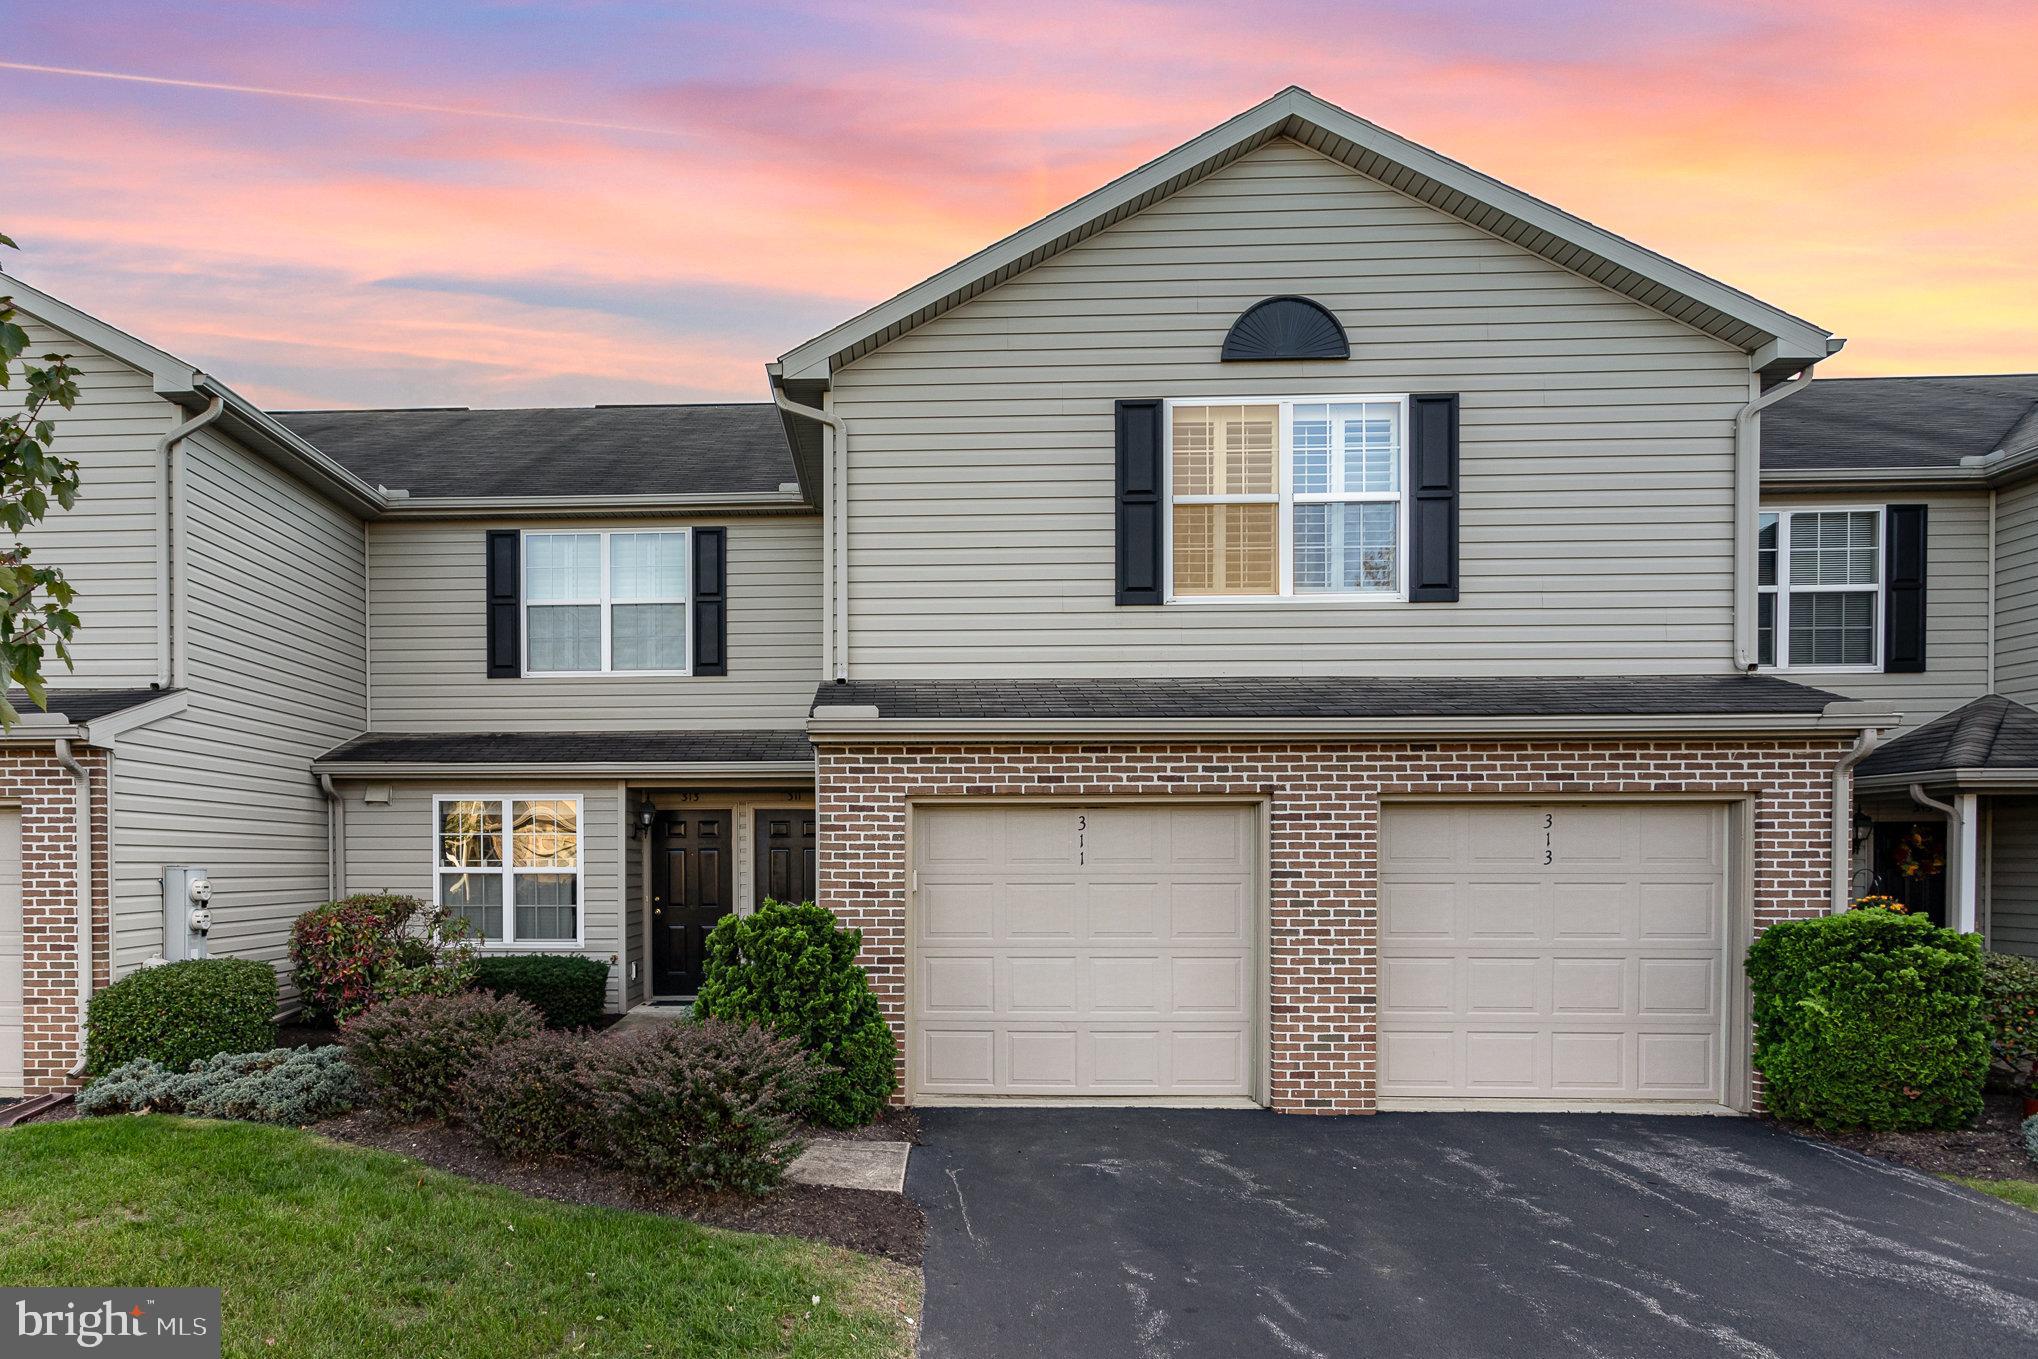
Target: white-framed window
x: 1819, y: 585
x: 606, y: 602
x: 1287, y: 497
x: 510, y: 867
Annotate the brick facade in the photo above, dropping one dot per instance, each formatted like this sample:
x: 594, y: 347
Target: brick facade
x: 1324, y: 798
x: 46, y: 794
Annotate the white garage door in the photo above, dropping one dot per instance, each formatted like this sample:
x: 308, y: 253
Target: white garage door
x: 11, y: 1031
x: 1083, y: 951
x: 1569, y: 952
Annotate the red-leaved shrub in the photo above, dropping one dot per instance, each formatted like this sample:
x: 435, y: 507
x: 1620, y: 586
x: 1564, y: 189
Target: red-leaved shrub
x: 707, y: 1105
x: 413, y: 1052
x: 527, y: 1098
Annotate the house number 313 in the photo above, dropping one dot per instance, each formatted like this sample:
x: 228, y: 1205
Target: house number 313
x: 1549, y: 837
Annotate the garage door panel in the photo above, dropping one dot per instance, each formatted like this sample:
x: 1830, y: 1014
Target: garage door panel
x: 1560, y: 951
x: 1588, y: 986
x: 952, y: 910
x: 13, y: 945
x: 1418, y: 986
x: 1416, y: 909
x: 1117, y: 957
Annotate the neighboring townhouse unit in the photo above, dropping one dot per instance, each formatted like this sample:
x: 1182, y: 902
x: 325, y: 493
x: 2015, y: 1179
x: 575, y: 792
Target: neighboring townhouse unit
x: 1899, y: 564
x: 1305, y: 624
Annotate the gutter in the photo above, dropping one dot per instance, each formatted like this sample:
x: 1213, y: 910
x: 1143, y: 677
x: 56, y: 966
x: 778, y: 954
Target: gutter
x: 82, y: 871
x: 1843, y: 815
x: 169, y: 463
x: 591, y: 506
x: 1963, y: 839
x: 835, y: 515
x: 863, y: 724
x: 1980, y: 780
x: 1747, y: 509
x: 576, y: 771
x: 336, y: 833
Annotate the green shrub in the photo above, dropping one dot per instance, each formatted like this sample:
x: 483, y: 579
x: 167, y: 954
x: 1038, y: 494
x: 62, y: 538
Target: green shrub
x: 292, y: 1086
x: 526, y: 1098
x: 2009, y: 989
x: 349, y: 954
x: 709, y: 1105
x: 182, y: 1013
x: 793, y: 969
x: 413, y: 1052
x: 569, y: 990
x: 2031, y: 1137
x: 1870, y: 1019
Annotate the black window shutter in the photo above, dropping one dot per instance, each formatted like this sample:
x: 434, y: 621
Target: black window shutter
x: 1139, y: 502
x: 710, y: 601
x: 505, y: 606
x: 1433, y: 499
x: 1903, y: 631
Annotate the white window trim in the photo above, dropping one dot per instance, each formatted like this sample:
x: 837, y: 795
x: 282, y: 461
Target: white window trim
x: 1783, y: 589
x: 606, y: 603
x: 1287, y: 499
x: 508, y: 871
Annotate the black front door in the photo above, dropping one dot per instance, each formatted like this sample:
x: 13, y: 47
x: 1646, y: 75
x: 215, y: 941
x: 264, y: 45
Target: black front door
x: 1910, y: 865
x: 785, y: 854
x: 692, y: 881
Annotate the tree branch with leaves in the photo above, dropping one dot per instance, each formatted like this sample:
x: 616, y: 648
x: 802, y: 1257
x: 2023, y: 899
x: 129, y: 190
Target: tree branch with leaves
x: 36, y: 620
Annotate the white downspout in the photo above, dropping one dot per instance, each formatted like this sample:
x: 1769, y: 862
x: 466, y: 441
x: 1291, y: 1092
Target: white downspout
x: 83, y: 874
x: 336, y: 836
x: 166, y: 489
x: 1843, y: 815
x: 1963, y: 846
x: 1747, y: 506
x: 837, y: 495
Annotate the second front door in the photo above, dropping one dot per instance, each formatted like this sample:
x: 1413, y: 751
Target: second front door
x: 692, y: 884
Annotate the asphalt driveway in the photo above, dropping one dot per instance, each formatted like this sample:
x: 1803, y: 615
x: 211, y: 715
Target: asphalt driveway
x: 1188, y: 1233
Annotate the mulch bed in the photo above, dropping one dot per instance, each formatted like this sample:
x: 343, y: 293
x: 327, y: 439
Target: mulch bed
x: 856, y: 1219
x: 1991, y: 1150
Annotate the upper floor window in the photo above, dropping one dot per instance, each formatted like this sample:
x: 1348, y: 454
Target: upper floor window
x: 1290, y: 497
x: 510, y: 867
x: 598, y: 602
x: 1819, y: 589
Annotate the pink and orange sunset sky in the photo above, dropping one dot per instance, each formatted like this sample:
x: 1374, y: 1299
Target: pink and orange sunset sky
x: 562, y: 203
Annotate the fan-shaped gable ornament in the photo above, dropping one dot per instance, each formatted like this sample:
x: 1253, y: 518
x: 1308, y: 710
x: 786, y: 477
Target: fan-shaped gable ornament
x: 1286, y: 328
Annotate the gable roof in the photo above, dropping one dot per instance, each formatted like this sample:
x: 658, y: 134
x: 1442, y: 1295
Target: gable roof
x: 1838, y: 424
x: 734, y: 449
x: 1783, y: 343
x: 185, y: 387
x: 1992, y: 735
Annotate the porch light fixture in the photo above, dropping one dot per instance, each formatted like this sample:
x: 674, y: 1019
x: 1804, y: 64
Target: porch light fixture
x: 647, y: 812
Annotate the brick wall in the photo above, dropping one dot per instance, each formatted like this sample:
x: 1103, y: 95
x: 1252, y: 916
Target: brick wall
x: 46, y: 794
x: 1324, y: 802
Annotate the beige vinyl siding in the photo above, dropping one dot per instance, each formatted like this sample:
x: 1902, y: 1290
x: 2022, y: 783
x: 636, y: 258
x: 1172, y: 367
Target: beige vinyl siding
x: 2017, y: 592
x: 429, y: 634
x: 2013, y: 882
x: 389, y: 848
x: 106, y: 543
x: 1956, y: 605
x: 1597, y: 448
x: 275, y: 646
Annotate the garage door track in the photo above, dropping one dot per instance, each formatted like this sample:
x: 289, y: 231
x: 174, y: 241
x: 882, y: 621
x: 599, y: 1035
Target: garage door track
x: 1189, y: 1233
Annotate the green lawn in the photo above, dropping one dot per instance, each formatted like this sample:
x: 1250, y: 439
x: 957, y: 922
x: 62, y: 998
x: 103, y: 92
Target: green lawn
x: 330, y: 1250
x: 2023, y: 1193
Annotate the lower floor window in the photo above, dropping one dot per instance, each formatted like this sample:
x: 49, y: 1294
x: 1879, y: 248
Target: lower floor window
x: 510, y: 867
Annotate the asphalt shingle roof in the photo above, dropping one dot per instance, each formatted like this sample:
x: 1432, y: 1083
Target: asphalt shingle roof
x: 1846, y: 423
x: 557, y: 451
x: 1329, y: 697
x: 579, y: 747
x: 85, y: 705
x: 1992, y: 732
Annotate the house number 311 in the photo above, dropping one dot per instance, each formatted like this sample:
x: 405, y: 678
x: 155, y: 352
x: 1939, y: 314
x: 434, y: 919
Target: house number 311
x: 1082, y: 839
